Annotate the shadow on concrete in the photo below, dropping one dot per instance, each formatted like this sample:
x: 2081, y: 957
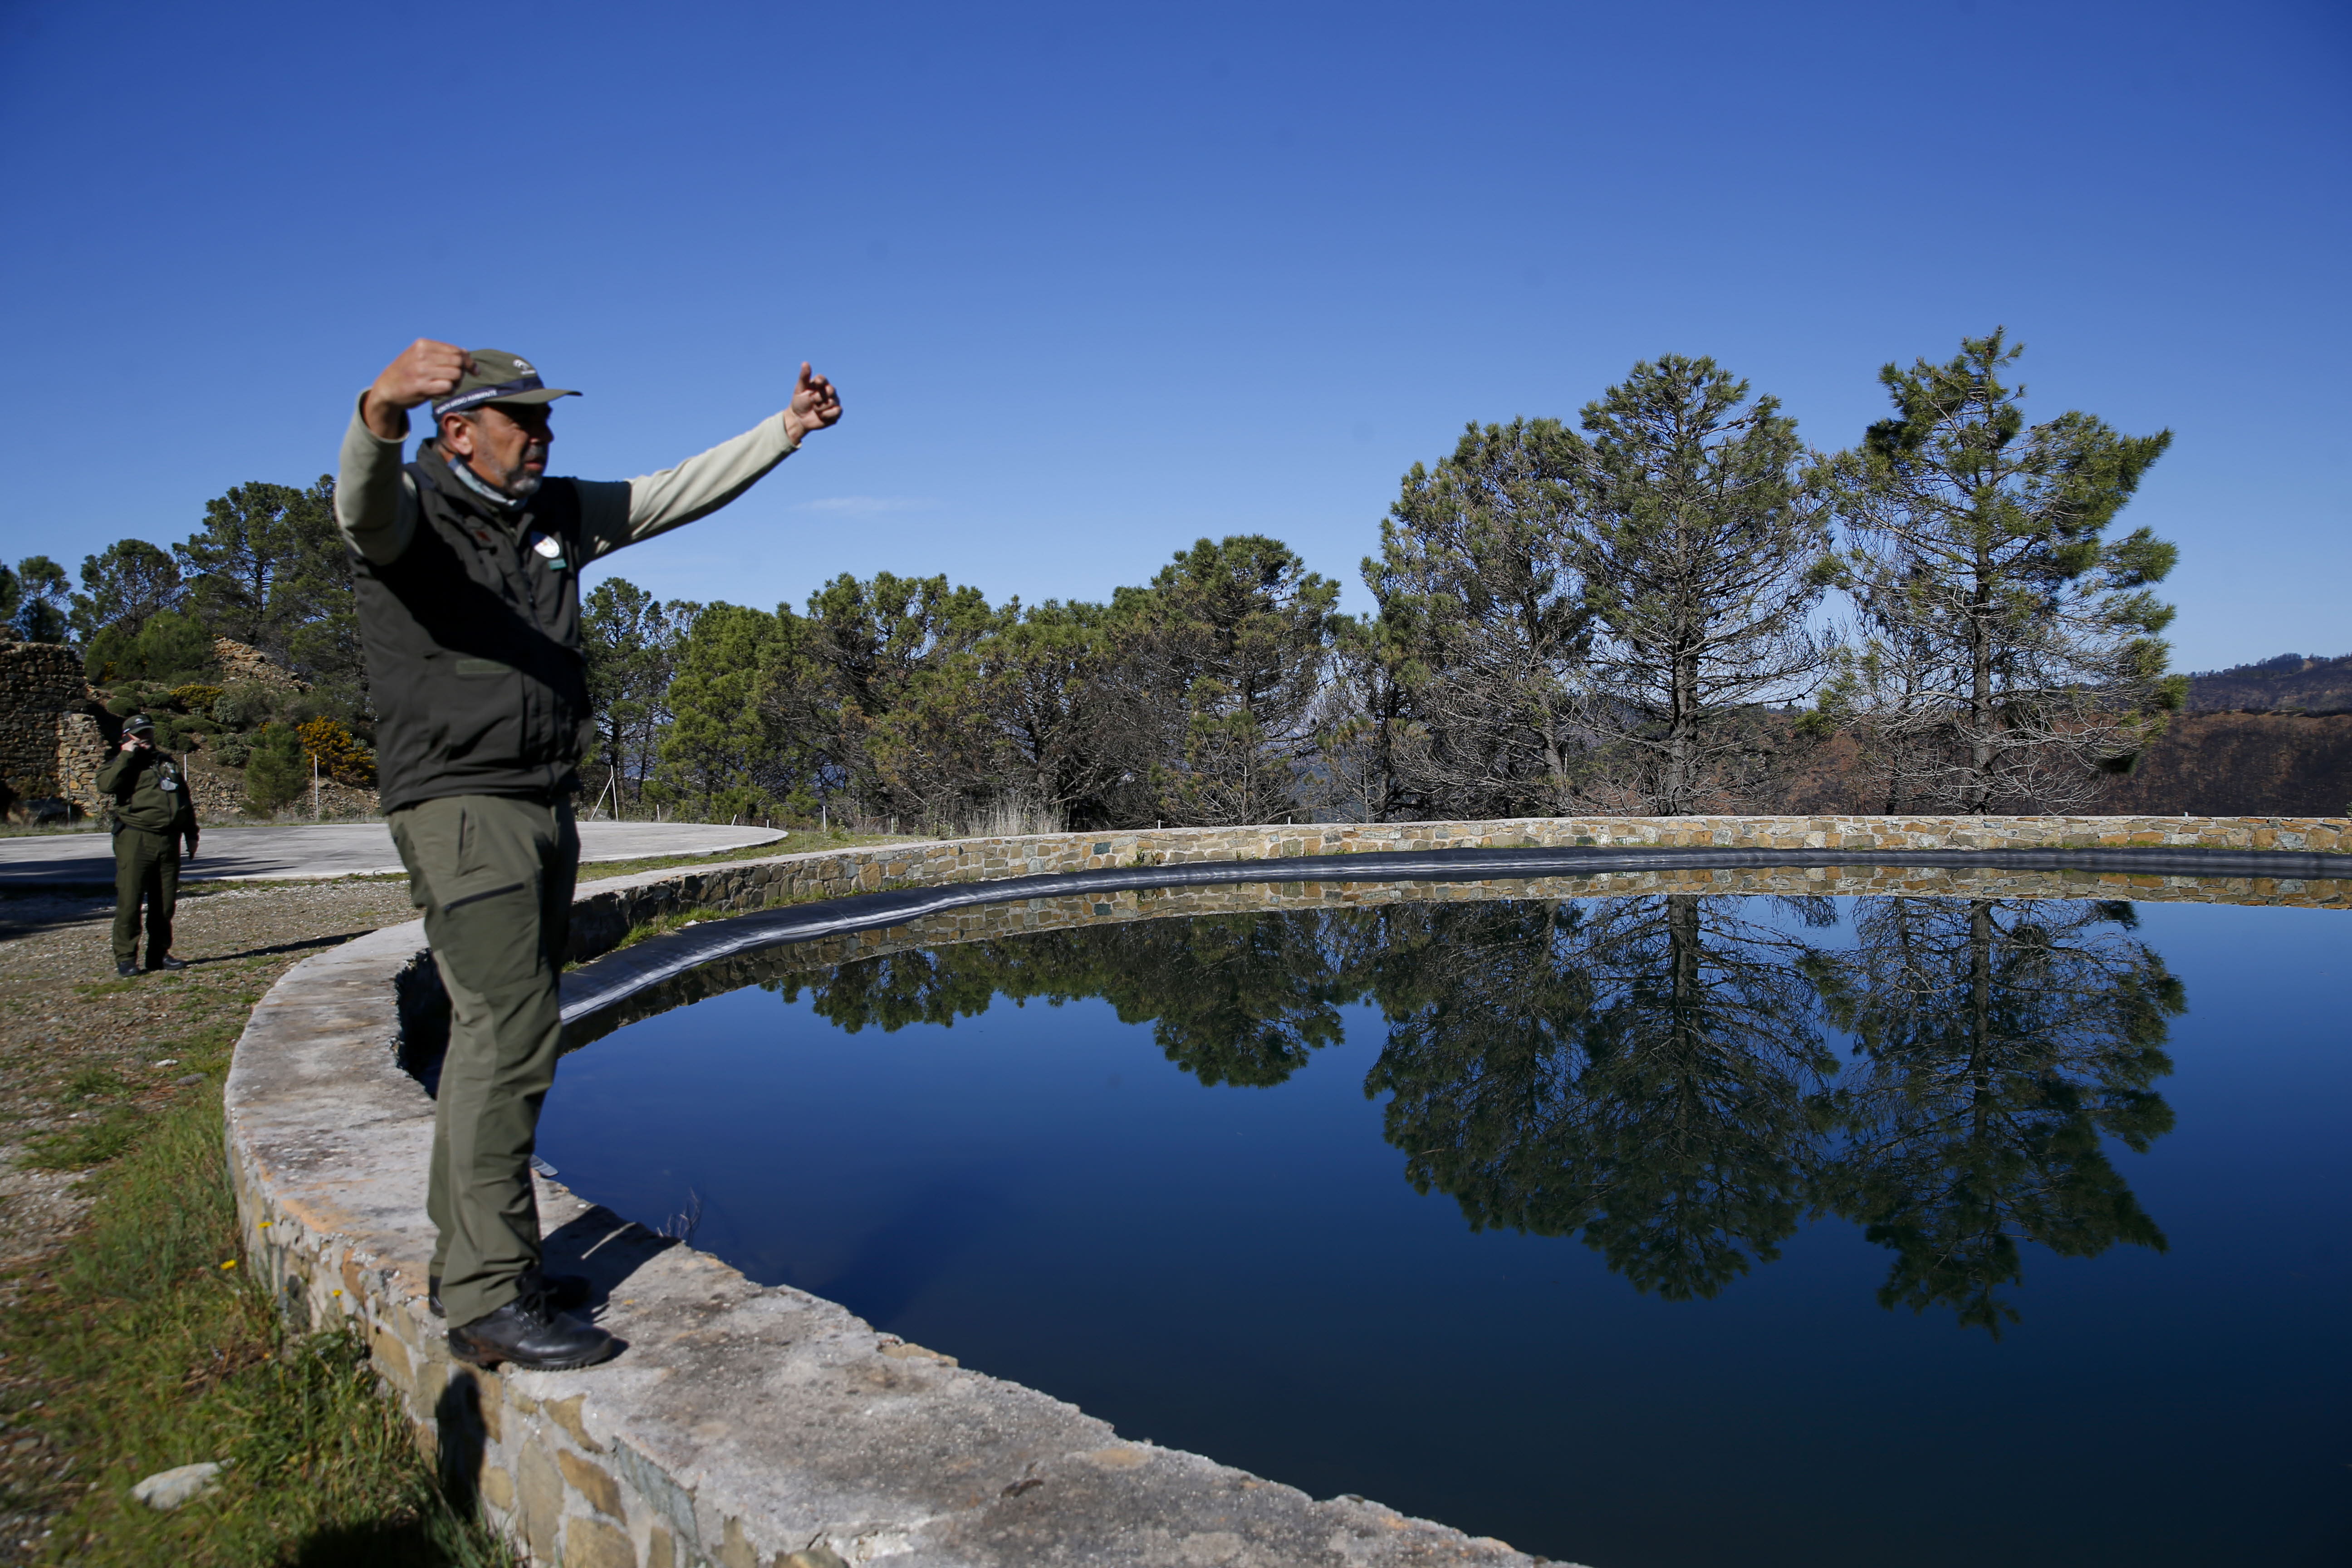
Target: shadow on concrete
x: 605, y: 1249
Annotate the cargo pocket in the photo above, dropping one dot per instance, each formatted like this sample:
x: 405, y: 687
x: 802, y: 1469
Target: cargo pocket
x: 481, y: 872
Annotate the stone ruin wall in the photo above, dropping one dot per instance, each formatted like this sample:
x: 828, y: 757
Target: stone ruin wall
x: 53, y: 734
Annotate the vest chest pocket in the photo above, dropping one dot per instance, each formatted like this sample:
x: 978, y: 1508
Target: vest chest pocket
x: 479, y: 667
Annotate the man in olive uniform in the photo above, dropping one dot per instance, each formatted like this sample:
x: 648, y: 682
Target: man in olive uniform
x: 151, y: 813
x: 467, y: 564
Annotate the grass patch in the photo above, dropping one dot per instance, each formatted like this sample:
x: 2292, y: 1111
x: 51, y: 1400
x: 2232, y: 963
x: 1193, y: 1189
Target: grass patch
x: 153, y: 1351
x: 110, y: 1109
x: 92, y: 1143
x: 106, y: 1121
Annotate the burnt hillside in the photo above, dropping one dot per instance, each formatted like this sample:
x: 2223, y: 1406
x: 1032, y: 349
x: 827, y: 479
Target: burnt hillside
x: 2208, y: 765
x: 2243, y: 765
x: 2290, y: 681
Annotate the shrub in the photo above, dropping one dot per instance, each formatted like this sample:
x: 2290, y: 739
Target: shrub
x: 339, y: 754
x: 172, y: 646
x: 231, y: 751
x: 194, y: 699
x: 243, y: 706
x: 276, y: 769
x: 108, y: 656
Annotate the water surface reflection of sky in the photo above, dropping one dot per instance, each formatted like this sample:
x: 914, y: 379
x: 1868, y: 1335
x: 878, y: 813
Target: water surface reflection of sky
x: 1743, y: 1121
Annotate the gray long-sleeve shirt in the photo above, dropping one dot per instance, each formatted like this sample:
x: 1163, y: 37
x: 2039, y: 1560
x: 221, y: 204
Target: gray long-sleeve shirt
x: 375, y: 503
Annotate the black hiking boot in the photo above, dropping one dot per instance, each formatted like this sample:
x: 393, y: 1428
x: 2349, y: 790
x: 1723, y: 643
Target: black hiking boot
x: 564, y: 1292
x: 167, y: 961
x: 526, y: 1332
x: 125, y: 968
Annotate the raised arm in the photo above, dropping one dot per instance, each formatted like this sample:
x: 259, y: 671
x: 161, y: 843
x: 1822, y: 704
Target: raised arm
x: 617, y: 514
x: 373, y: 509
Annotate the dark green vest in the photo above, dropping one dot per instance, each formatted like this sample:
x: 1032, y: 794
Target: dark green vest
x: 472, y: 645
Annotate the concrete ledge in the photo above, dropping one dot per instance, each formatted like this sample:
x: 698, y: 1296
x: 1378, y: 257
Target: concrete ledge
x: 751, y: 1427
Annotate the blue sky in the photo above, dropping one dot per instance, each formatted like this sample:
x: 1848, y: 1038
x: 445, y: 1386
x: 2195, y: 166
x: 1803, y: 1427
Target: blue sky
x: 1096, y: 280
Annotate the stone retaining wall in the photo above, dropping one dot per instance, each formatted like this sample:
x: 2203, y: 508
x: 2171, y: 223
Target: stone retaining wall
x: 606, y: 911
x: 752, y: 1427
x: 51, y: 742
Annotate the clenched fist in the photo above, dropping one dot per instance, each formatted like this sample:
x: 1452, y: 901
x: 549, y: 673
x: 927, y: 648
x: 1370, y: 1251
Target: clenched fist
x: 814, y: 405
x: 425, y: 370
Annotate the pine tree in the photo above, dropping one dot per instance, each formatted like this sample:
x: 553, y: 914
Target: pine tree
x: 268, y: 569
x: 2007, y: 655
x: 238, y: 565
x: 122, y: 586
x: 1228, y: 651
x: 631, y: 640
x: 1704, y: 549
x: 1483, y: 629
x: 720, y: 750
x: 33, y: 599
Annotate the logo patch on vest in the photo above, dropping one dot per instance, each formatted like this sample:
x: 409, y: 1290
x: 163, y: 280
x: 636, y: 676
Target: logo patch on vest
x: 550, y: 549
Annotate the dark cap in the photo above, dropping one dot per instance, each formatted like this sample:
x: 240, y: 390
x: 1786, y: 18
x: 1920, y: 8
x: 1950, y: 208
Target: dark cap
x: 497, y: 377
x: 139, y: 723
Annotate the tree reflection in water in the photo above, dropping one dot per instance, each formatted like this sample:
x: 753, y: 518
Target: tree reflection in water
x: 1996, y: 1043
x: 1653, y: 1073
x: 1240, y: 999
x: 1635, y: 1070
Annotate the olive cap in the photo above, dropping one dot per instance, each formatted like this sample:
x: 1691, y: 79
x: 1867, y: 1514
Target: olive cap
x: 497, y: 376
x: 138, y: 723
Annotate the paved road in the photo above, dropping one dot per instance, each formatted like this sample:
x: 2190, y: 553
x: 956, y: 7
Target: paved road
x: 337, y: 849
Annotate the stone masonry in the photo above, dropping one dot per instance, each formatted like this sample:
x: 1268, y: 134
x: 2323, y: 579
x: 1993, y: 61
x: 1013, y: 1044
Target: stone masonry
x: 749, y: 1427
x: 52, y: 738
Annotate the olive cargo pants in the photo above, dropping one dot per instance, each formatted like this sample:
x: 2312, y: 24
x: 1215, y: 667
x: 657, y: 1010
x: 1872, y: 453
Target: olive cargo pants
x: 493, y: 876
x: 146, y: 871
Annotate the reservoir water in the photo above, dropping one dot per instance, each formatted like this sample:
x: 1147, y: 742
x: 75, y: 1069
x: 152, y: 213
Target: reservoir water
x: 1640, y: 1232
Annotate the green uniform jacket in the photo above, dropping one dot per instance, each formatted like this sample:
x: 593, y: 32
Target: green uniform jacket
x: 150, y: 791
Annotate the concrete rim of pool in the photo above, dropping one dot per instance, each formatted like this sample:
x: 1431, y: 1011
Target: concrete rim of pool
x: 749, y: 1426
